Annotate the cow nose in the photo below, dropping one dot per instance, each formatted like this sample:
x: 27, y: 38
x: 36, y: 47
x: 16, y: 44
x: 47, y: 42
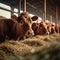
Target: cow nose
x: 31, y: 32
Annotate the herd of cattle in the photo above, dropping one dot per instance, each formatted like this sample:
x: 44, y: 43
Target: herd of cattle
x: 24, y: 26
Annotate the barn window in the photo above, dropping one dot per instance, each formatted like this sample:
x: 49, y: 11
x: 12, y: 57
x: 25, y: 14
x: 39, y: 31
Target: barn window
x: 4, y: 13
x: 5, y: 6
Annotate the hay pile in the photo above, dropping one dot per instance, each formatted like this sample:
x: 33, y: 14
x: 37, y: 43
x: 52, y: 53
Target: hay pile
x: 35, y: 48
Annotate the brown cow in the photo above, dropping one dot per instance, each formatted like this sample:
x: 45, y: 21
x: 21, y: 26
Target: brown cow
x: 23, y: 28
x: 39, y: 28
x: 50, y: 27
x: 16, y: 30
x: 43, y: 28
x: 6, y: 26
x: 27, y: 23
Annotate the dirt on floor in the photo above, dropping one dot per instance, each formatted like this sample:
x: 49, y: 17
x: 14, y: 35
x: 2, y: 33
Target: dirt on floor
x: 34, y: 48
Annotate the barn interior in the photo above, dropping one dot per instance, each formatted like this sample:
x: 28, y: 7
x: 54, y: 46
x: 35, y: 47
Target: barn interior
x: 35, y: 7
x: 39, y: 47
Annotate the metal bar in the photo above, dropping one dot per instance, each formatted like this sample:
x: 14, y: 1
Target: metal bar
x: 7, y: 10
x: 31, y: 5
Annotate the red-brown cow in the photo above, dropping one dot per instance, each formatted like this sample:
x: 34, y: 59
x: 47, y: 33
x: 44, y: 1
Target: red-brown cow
x: 43, y: 28
x: 16, y: 30
x: 27, y: 23
x: 40, y: 28
x: 50, y: 27
x: 6, y: 26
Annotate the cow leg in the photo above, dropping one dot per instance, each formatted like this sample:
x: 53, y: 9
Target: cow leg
x: 18, y: 39
x: 24, y: 37
x: 21, y: 38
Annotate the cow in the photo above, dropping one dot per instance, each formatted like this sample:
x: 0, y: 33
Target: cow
x: 5, y: 29
x: 16, y: 30
x: 24, y: 27
x: 25, y: 17
x: 40, y: 28
x: 50, y: 27
x: 44, y: 28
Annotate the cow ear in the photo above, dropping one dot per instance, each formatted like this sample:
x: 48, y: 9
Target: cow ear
x: 34, y: 18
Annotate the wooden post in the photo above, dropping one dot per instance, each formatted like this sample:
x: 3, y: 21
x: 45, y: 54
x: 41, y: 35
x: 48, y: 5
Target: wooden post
x: 24, y: 5
x: 51, y: 18
x: 57, y: 17
x: 19, y: 7
x: 43, y: 16
x: 44, y: 10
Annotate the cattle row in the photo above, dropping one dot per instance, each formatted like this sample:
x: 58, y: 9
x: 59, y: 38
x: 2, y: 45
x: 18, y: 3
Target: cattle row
x: 23, y: 26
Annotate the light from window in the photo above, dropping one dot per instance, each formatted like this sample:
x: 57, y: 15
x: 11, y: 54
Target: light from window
x: 4, y: 13
x: 5, y: 6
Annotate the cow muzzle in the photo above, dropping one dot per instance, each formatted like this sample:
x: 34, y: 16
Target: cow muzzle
x: 29, y: 33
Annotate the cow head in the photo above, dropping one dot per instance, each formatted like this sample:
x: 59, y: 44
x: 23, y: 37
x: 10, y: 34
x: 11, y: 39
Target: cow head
x: 39, y: 29
x: 43, y: 28
x: 25, y: 22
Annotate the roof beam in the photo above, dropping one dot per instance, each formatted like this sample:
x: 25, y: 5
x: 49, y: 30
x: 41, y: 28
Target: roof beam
x: 31, y: 5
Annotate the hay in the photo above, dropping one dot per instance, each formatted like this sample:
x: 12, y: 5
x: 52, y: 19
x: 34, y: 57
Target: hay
x: 35, y: 48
